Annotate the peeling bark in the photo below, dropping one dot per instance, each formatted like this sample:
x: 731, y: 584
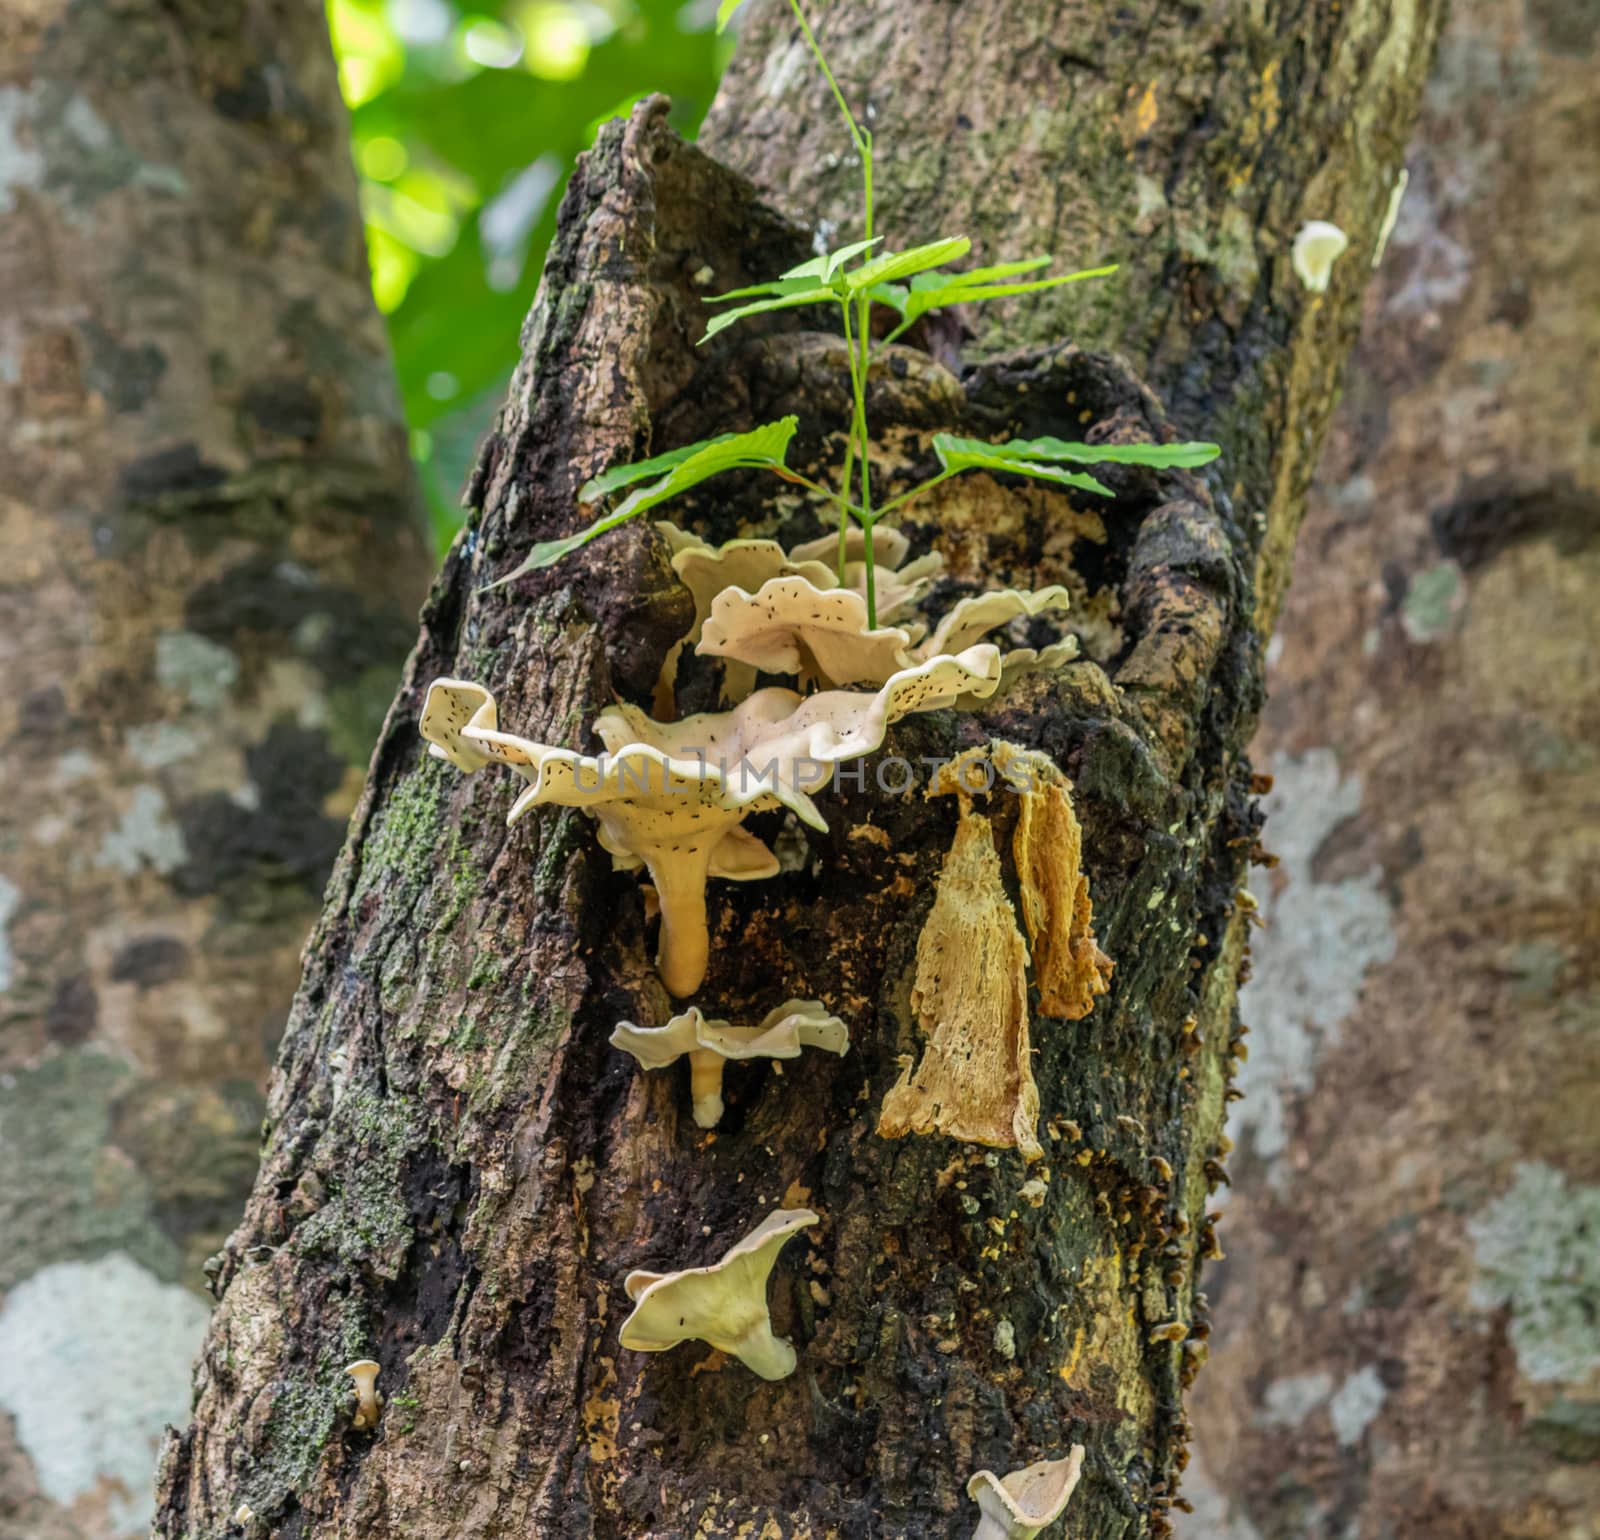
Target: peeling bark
x: 460, y: 1172
x: 1407, y: 1335
x: 201, y: 452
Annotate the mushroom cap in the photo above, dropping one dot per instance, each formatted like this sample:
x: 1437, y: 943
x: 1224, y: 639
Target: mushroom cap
x: 363, y: 1370
x: 973, y: 618
x: 779, y: 745
x: 1317, y: 246
x: 790, y: 626
x: 781, y: 1034
x: 660, y: 784
x: 705, y: 570
x: 452, y: 706
x: 724, y: 1304
x: 1020, y: 662
x: 890, y: 547
x: 1026, y: 1500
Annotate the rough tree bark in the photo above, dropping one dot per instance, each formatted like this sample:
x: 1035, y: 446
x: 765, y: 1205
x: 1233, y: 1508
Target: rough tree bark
x: 459, y: 1171
x: 1408, y: 1332
x: 209, y: 565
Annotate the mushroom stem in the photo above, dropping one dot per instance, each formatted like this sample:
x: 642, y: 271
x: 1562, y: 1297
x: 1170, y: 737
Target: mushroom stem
x: 762, y: 1350
x: 705, y: 1085
x: 991, y: 1528
x: 684, y: 947
x: 368, y: 1402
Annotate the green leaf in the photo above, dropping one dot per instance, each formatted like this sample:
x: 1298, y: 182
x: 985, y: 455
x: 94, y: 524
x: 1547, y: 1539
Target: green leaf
x: 824, y: 267
x: 959, y: 288
x: 784, y: 285
x: 980, y: 274
x: 1161, y: 456
x: 970, y: 454
x: 761, y: 448
x: 894, y: 295
x: 807, y: 275
x: 901, y: 264
x: 725, y: 13
x: 757, y: 307
x: 626, y: 475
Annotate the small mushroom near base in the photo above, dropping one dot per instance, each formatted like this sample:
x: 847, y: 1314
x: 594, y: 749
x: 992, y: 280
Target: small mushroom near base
x: 364, y: 1371
x: 1026, y: 1502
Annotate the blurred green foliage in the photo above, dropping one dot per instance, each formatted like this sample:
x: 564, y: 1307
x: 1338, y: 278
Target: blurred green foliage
x: 466, y: 118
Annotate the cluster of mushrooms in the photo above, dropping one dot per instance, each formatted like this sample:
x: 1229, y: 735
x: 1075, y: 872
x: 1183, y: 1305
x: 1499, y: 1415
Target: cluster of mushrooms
x: 670, y: 798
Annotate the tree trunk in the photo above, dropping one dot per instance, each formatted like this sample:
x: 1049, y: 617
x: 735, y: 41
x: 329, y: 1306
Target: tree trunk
x: 211, y: 561
x: 1407, y: 1339
x: 460, y: 1172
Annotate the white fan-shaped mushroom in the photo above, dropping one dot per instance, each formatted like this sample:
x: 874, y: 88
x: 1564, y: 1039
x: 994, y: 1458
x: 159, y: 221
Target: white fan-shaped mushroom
x: 670, y: 796
x: 1022, y: 1504
x: 724, y: 1304
x: 1316, y: 248
x: 789, y: 626
x: 781, y: 1034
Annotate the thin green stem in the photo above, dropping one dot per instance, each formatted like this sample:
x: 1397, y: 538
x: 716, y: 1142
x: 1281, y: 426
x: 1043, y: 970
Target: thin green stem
x: 846, y: 507
x: 905, y: 497
x: 859, y: 354
x: 858, y: 378
x: 859, y: 136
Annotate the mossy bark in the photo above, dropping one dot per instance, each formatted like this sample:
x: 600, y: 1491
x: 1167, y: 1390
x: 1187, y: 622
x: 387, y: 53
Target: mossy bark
x: 459, y: 1170
x: 201, y: 450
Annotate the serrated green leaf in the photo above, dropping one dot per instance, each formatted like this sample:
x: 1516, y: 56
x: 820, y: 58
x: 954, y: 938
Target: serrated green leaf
x: 761, y: 448
x: 970, y: 454
x: 901, y: 264
x: 725, y: 13
x: 781, y: 302
x: 625, y: 475
x: 1160, y: 456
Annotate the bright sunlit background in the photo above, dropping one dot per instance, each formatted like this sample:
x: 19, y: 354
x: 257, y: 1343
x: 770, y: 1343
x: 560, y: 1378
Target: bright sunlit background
x: 466, y: 119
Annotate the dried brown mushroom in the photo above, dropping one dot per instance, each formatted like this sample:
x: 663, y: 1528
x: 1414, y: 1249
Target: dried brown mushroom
x: 970, y: 997
x: 724, y: 1304
x: 781, y: 1034
x: 975, y: 1077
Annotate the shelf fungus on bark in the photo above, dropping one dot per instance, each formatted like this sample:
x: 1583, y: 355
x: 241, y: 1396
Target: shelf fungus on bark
x: 970, y: 997
x: 781, y: 1034
x: 670, y: 797
x: 364, y: 1371
x: 970, y: 991
x: 1021, y: 1505
x: 708, y: 570
x: 1069, y: 968
x: 791, y: 626
x: 724, y: 1304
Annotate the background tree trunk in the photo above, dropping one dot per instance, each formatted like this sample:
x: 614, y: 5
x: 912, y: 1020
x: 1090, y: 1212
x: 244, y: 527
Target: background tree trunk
x: 459, y: 1171
x: 1407, y: 1338
x: 211, y: 561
